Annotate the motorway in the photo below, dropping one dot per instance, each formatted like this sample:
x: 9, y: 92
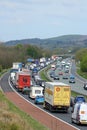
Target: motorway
x: 6, y: 87
x: 78, y: 86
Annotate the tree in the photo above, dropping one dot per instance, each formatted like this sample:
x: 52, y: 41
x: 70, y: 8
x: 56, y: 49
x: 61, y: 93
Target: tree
x: 34, y: 52
x: 84, y: 64
x: 0, y: 68
x: 80, y: 54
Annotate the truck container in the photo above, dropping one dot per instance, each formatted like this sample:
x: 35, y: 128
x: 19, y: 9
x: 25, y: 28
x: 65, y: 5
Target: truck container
x: 42, y: 60
x: 57, y: 96
x: 23, y: 80
x: 17, y: 65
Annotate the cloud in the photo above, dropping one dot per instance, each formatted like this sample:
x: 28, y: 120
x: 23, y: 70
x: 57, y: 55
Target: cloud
x: 39, y: 15
x: 42, y: 8
x: 35, y: 11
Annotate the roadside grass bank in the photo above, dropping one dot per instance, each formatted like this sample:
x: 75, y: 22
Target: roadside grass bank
x: 83, y: 74
x: 12, y: 118
x: 43, y: 74
x: 74, y: 94
x: 79, y: 72
x: 2, y: 72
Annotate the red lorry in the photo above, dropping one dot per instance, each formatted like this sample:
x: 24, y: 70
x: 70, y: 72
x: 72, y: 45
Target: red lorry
x: 23, y: 81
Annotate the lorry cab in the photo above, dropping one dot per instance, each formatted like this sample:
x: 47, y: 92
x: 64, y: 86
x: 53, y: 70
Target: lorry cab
x: 35, y: 91
x: 79, y: 113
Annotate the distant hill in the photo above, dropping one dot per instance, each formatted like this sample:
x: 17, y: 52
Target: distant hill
x: 52, y: 43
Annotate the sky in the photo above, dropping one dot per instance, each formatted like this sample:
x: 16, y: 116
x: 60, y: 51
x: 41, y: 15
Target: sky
x: 24, y: 19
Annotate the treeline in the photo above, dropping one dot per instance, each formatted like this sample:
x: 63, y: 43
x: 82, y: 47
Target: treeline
x: 81, y: 57
x: 20, y: 53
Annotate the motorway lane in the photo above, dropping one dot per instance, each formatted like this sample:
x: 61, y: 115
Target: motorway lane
x: 4, y: 83
x: 73, y: 71
x: 63, y: 116
x: 78, y: 86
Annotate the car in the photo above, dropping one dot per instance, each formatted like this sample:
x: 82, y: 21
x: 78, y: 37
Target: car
x: 40, y: 82
x: 72, y: 79
x: 65, y: 76
x: 85, y: 86
x: 52, y: 73
x: 26, y: 90
x: 78, y: 98
x: 56, y: 77
x: 67, y: 71
x: 39, y: 99
x: 60, y: 73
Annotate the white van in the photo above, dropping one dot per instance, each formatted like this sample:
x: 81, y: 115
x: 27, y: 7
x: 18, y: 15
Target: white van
x: 79, y: 113
x: 35, y: 91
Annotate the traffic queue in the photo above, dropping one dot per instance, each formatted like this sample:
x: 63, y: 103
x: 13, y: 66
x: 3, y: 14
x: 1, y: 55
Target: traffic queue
x: 26, y: 78
x: 55, y: 95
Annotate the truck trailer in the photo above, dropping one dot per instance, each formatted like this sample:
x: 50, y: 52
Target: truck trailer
x: 17, y: 66
x: 57, y: 96
x: 23, y: 80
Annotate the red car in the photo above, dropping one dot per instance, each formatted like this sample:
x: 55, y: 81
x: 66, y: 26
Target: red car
x: 60, y: 73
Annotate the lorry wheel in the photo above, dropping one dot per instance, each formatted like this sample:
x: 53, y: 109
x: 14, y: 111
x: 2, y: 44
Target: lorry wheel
x: 51, y: 109
x: 72, y: 120
x: 44, y: 106
x: 66, y: 110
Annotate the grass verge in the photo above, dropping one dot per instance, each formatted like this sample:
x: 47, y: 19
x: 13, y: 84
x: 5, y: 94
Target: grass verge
x: 2, y: 72
x: 44, y: 76
x: 83, y: 74
x: 12, y: 118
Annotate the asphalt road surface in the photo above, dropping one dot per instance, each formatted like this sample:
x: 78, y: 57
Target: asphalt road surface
x: 64, y: 116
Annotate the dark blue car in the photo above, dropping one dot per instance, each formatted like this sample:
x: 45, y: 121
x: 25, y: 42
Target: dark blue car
x: 78, y: 98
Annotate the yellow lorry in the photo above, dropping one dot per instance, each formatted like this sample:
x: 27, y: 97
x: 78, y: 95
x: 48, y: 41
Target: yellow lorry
x: 57, y: 96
